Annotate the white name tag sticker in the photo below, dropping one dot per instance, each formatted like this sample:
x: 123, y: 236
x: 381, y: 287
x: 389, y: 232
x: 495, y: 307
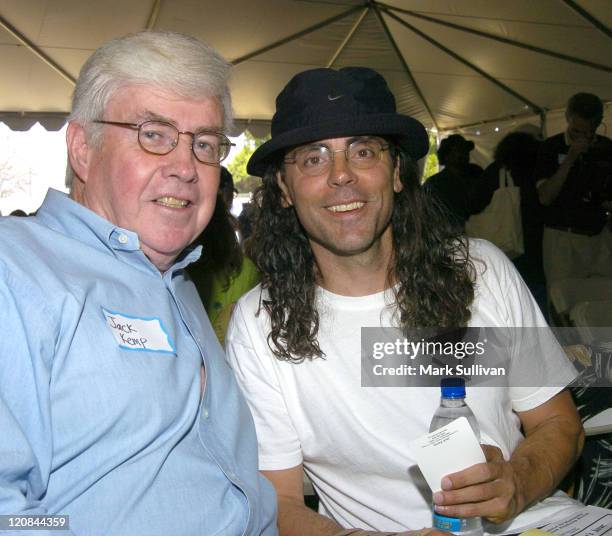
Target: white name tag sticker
x: 146, y: 334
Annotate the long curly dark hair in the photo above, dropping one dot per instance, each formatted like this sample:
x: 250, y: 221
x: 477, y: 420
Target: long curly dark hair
x: 431, y: 265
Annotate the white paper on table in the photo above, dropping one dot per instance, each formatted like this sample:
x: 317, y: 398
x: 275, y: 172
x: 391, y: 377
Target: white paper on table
x: 590, y: 521
x: 449, y: 449
x: 601, y: 423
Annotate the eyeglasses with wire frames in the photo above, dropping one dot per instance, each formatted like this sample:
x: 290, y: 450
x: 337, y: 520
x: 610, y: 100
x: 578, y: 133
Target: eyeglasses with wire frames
x: 317, y: 159
x: 159, y: 137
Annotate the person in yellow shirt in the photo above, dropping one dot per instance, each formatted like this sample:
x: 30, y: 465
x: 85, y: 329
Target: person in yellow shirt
x: 223, y: 273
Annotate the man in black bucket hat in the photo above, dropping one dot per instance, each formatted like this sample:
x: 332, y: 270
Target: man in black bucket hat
x: 346, y: 239
x: 456, y: 187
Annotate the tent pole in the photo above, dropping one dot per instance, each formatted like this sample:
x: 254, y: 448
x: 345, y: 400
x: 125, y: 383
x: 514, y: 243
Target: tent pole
x: 543, y: 125
x: 505, y: 40
x: 585, y: 14
x: 347, y: 38
x: 511, y: 116
x: 487, y: 122
x: 405, y: 65
x: 296, y: 35
x: 482, y: 73
x: 37, y: 51
x: 153, y: 15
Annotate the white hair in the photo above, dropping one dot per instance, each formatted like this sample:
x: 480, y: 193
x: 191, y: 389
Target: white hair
x: 167, y: 60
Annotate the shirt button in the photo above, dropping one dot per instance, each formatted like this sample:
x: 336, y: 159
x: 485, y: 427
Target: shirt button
x: 123, y: 239
x: 205, y: 413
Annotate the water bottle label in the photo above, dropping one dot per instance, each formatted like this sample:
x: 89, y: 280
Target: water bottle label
x: 447, y: 524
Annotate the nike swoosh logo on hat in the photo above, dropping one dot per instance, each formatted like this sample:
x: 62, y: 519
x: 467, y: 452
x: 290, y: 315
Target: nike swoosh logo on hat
x: 329, y: 97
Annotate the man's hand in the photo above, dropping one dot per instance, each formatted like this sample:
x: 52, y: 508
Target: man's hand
x: 498, y: 490
x: 549, y: 188
x: 577, y: 147
x: 488, y: 490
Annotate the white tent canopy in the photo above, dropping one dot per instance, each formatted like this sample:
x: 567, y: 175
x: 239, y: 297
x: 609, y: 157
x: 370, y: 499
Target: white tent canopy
x: 456, y: 65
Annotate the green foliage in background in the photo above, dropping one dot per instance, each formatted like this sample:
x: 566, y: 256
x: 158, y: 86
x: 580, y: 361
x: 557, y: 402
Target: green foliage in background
x: 243, y: 182
x: 247, y: 185
x: 431, y: 160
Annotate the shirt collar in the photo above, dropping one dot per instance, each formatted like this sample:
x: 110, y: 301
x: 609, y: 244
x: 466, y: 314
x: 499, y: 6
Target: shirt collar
x: 190, y: 254
x: 62, y: 214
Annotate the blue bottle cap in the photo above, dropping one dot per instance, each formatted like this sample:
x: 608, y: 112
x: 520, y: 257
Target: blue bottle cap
x: 452, y: 388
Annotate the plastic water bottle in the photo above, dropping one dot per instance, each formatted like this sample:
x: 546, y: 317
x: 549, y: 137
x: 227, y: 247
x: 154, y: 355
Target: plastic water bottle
x: 452, y: 406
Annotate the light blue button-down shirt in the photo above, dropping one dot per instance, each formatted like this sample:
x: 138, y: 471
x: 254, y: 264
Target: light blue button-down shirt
x: 110, y: 431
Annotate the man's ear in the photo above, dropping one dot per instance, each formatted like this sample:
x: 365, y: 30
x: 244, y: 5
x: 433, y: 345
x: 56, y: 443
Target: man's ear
x: 78, y: 150
x: 397, y: 182
x: 286, y: 200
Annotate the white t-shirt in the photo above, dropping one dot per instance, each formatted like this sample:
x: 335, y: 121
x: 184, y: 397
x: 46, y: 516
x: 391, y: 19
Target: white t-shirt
x: 353, y: 440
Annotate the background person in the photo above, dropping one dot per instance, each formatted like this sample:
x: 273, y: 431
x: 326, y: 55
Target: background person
x: 19, y: 213
x: 456, y: 185
x: 223, y: 273
x: 517, y: 153
x: 574, y: 181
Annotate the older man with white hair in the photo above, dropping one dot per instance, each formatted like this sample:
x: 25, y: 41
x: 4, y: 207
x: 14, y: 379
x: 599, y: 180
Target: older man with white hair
x: 116, y: 406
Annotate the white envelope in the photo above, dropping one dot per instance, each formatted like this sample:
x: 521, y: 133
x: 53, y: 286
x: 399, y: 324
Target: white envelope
x: 449, y: 449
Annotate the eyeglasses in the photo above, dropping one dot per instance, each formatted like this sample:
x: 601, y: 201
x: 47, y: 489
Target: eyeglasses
x: 159, y: 137
x: 315, y: 160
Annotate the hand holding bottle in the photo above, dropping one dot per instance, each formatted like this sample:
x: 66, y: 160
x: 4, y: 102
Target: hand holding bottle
x: 488, y: 490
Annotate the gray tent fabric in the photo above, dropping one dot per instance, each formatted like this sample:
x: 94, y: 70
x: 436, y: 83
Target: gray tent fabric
x: 458, y: 66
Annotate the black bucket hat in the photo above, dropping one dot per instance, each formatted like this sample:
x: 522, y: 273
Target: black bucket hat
x: 325, y: 103
x: 452, y: 141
